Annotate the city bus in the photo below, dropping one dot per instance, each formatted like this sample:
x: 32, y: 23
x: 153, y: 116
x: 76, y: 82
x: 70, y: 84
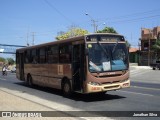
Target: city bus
x: 93, y: 63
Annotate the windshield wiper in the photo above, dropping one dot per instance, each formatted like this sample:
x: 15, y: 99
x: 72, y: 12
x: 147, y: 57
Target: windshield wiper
x: 115, y: 46
x: 107, y: 54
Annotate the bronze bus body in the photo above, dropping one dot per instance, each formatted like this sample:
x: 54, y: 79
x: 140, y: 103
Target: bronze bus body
x: 67, y: 64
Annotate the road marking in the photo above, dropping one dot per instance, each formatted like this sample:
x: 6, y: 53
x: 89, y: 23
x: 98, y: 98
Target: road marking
x: 2, y: 79
x: 137, y: 93
x: 146, y: 88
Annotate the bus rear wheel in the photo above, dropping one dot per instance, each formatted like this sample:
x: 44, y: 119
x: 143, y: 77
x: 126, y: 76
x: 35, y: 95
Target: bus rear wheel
x: 66, y: 88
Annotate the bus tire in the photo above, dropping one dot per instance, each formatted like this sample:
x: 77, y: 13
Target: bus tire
x: 29, y: 80
x: 66, y: 88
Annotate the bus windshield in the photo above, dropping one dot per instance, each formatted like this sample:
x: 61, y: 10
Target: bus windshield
x: 107, y: 57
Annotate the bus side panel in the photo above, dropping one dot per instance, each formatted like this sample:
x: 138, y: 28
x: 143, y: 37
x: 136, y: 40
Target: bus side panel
x: 37, y: 71
x: 49, y: 75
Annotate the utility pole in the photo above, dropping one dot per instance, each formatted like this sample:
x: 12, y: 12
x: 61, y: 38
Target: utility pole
x: 27, y: 37
x: 27, y: 40
x: 95, y: 26
x: 33, y: 34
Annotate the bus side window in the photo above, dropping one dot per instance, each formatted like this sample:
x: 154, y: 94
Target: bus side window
x: 42, y: 55
x: 65, y: 53
x: 17, y: 57
x: 26, y: 56
x: 33, y: 58
x: 52, y: 54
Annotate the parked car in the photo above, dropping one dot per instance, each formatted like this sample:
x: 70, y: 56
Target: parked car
x: 155, y: 65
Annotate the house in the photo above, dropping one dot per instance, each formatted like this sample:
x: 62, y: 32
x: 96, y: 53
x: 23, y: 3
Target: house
x: 133, y: 55
x: 148, y: 39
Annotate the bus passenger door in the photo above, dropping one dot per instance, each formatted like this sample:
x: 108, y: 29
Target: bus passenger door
x: 77, y: 67
x: 21, y: 65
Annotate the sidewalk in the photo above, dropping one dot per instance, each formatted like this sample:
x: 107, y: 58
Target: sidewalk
x: 12, y: 103
x: 141, y: 67
x: 135, y: 65
x: 144, y: 74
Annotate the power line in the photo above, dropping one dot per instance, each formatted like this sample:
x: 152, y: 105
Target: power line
x: 131, y: 17
x: 54, y: 8
x: 133, y: 20
x: 134, y: 14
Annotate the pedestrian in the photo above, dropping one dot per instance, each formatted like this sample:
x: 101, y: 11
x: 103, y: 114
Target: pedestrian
x: 4, y: 70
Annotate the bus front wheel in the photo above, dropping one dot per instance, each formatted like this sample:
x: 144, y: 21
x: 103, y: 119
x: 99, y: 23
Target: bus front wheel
x: 66, y: 88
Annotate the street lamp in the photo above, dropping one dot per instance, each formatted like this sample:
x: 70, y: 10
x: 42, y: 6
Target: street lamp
x: 94, y: 22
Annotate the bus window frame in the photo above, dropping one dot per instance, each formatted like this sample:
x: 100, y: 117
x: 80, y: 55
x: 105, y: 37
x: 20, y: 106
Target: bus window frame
x: 53, y: 53
x: 69, y: 53
x: 39, y: 55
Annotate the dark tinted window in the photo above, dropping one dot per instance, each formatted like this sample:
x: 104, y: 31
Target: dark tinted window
x: 33, y: 58
x: 17, y: 57
x: 52, y: 54
x: 42, y: 55
x: 65, y: 53
x: 27, y: 57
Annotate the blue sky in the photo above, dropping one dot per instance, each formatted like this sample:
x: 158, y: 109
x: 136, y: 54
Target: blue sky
x: 19, y: 18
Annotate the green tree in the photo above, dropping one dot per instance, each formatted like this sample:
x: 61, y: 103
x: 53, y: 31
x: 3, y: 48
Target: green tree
x: 156, y: 46
x: 107, y: 30
x: 128, y: 44
x: 72, y: 32
x: 10, y: 61
x: 2, y: 59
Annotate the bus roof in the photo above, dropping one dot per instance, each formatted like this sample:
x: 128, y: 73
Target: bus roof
x: 54, y: 42
x: 72, y: 39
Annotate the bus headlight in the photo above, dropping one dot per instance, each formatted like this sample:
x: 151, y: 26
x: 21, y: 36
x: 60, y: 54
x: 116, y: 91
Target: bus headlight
x: 94, y: 83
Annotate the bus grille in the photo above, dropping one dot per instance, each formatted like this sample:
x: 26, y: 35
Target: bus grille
x: 111, y: 82
x: 109, y: 75
x: 111, y: 87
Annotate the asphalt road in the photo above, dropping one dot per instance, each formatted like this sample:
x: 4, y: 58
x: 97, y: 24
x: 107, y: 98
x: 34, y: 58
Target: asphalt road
x: 143, y: 95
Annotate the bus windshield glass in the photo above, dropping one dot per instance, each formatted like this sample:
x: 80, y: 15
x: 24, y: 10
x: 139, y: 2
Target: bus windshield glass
x: 107, y: 57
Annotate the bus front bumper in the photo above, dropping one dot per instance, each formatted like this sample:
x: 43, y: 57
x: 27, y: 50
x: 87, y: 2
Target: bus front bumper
x: 92, y: 87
